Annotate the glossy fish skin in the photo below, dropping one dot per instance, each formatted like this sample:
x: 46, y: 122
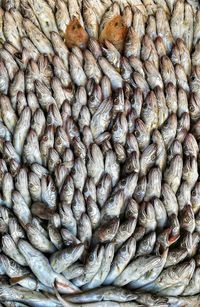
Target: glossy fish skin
x: 104, y: 269
x: 125, y: 231
x: 65, y: 258
x: 170, y: 284
x: 136, y: 269
x: 148, y: 277
x: 106, y: 232
x: 193, y: 286
x: 146, y: 245
x: 42, y: 243
x: 44, y: 272
x: 175, y: 256
x: 11, y: 250
x: 99, y: 152
x: 103, y: 294
x: 23, y: 296
x: 92, y: 266
x: 122, y: 258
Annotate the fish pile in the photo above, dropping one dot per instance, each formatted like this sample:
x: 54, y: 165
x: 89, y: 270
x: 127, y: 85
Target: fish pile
x: 99, y: 153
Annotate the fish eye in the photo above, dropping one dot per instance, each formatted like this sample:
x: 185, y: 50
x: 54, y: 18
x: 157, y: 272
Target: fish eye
x: 153, y: 157
x: 89, y: 209
x: 123, y: 182
x: 92, y: 97
x: 187, y: 219
x: 91, y: 257
x: 73, y: 171
x: 145, y: 106
x: 137, y: 133
x: 49, y: 121
x: 128, y: 213
x: 192, y: 78
x: 45, y: 138
x: 193, y: 193
x: 191, y: 108
x: 58, y: 141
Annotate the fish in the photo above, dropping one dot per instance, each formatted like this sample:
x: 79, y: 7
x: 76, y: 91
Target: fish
x: 24, y: 296
x: 63, y: 259
x: 151, y: 275
x: 136, y: 269
x: 168, y: 284
x: 44, y: 273
x: 99, y: 152
x: 103, y: 294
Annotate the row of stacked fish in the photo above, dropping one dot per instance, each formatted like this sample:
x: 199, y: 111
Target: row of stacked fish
x: 99, y: 152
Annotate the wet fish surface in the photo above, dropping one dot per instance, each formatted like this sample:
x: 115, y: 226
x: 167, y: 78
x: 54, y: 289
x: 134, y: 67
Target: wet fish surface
x: 99, y: 153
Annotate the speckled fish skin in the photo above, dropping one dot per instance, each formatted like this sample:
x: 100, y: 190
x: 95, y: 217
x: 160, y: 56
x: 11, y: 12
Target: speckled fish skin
x: 99, y: 152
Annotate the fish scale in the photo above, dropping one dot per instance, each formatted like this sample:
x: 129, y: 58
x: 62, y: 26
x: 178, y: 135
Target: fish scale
x: 99, y: 152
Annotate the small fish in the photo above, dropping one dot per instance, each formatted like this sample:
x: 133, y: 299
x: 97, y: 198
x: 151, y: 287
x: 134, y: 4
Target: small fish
x: 107, y: 231
x: 173, y: 172
x: 45, y: 17
x: 92, y: 265
x: 104, y: 189
x: 148, y: 158
x: 125, y: 231
x: 170, y: 284
x: 151, y: 275
x: 73, y: 271
x: 146, y: 217
x: 109, y: 293
x: 104, y: 269
x: 21, y: 208
x: 33, y: 297
x: 11, y: 250
x: 37, y: 37
x: 187, y: 220
x: 153, y: 188
x: 169, y: 199
x: 91, y: 20
x: 175, y: 256
x: 146, y: 245
x: 38, y: 240
x: 122, y: 258
x: 10, y: 30
x: 132, y: 44
x: 40, y: 266
x: 136, y: 269
x: 64, y: 258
